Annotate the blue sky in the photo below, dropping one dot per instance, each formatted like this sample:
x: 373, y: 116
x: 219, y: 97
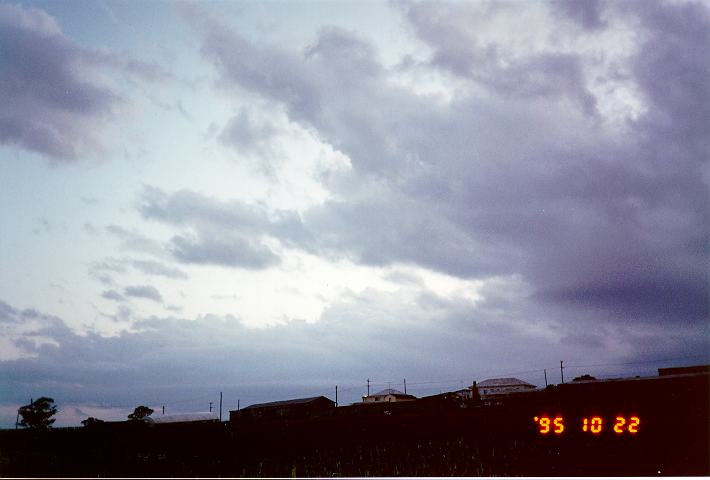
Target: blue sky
x: 273, y: 198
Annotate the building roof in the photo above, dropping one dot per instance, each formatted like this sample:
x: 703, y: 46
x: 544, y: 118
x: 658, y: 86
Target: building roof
x: 185, y: 417
x: 503, y: 382
x: 388, y: 391
x: 295, y: 401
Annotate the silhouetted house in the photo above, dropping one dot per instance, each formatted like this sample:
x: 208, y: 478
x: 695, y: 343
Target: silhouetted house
x: 388, y: 395
x: 662, y: 372
x: 465, y: 393
x: 584, y: 378
x: 496, y: 388
x: 296, y: 408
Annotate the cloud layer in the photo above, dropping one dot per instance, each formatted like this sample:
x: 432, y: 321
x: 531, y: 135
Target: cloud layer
x: 530, y: 178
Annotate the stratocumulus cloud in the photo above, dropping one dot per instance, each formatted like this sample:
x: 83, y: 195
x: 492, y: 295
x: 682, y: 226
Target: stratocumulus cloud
x: 53, y: 94
x: 528, y: 179
x: 365, y: 335
x: 143, y: 291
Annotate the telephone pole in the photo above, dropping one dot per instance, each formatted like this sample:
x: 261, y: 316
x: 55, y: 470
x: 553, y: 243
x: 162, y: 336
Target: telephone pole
x: 545, y: 377
x: 405, y: 386
x: 210, y: 407
x: 368, y: 387
x: 220, y: 406
x: 336, y: 395
x: 562, y: 373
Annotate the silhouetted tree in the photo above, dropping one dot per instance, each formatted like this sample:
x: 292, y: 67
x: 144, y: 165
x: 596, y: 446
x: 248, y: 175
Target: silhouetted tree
x: 38, y: 414
x: 91, y: 421
x: 140, y: 413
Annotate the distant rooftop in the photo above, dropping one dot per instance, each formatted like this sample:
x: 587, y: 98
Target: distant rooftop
x: 389, y: 391
x: 503, y: 382
x: 295, y: 401
x: 184, y: 417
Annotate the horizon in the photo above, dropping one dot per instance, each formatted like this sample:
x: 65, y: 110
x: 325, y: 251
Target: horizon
x: 73, y: 419
x: 269, y: 199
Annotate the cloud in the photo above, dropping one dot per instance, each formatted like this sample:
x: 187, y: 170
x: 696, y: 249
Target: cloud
x: 112, y: 295
x: 143, y: 291
x: 521, y: 172
x: 150, y: 267
x: 233, y: 252
x: 134, y: 240
x: 589, y: 14
x: 675, y: 115
x: 249, y: 135
x: 98, y: 269
x: 228, y: 233
x: 452, y: 31
x: 381, y: 335
x: 53, y: 95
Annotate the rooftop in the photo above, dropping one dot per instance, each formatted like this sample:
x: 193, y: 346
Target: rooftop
x: 390, y: 391
x: 185, y: 417
x: 503, y: 382
x: 295, y: 401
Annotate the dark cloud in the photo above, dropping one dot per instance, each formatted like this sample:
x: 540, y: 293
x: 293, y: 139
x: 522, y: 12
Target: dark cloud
x: 112, y: 295
x: 372, y: 334
x: 49, y: 98
x: 228, y: 233
x: 457, y: 48
x: 143, y: 291
x: 7, y: 313
x: 249, y: 135
x: 672, y: 72
x: 588, y: 14
x: 50, y: 88
x: 527, y: 179
x: 334, y: 85
x: 232, y: 252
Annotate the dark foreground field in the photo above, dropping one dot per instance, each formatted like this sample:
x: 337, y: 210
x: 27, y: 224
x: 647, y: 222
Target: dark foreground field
x: 434, y: 439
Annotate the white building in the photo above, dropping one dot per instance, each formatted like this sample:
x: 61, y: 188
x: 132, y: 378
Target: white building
x: 388, y: 395
x: 492, y: 387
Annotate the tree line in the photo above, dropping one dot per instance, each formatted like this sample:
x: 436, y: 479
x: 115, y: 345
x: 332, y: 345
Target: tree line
x: 37, y: 414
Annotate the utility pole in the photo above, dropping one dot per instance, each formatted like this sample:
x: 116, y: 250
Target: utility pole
x: 163, y: 409
x: 210, y: 407
x: 220, y: 406
x: 238, y: 405
x: 405, y: 386
x: 545, y: 377
x: 562, y: 373
x: 336, y: 395
x: 17, y: 420
x: 368, y: 387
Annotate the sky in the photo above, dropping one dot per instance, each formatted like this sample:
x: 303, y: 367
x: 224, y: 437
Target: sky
x: 269, y: 199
